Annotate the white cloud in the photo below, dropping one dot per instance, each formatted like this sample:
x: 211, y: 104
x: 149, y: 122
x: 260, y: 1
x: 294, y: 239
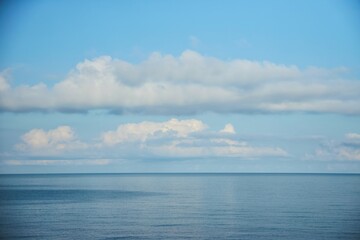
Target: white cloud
x: 134, y: 132
x: 190, y: 83
x: 229, y: 128
x: 55, y: 140
x: 170, y: 139
x: 180, y: 138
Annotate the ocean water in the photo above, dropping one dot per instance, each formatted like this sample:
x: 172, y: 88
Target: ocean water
x: 180, y: 206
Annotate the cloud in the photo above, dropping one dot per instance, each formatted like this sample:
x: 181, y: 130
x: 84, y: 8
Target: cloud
x: 194, y: 41
x: 58, y: 162
x: 55, y: 140
x: 349, y: 153
x: 183, y: 138
x: 223, y: 149
x: 135, y: 132
x: 188, y: 84
x: 353, y: 136
x: 4, y: 85
x: 229, y: 128
x: 346, y: 149
x: 172, y: 139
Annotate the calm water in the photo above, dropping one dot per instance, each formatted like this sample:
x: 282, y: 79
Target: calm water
x: 180, y: 206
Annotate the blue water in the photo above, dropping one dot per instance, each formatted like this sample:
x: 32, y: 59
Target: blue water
x: 180, y: 206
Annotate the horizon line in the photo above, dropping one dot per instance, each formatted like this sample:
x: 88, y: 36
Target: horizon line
x: 185, y: 173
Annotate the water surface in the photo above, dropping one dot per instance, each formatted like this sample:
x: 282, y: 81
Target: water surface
x: 180, y: 206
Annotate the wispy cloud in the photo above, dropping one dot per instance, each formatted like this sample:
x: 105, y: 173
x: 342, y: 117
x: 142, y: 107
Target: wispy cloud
x: 194, y: 41
x: 353, y: 136
x: 346, y: 149
x: 190, y: 83
x: 4, y: 84
x: 58, y: 162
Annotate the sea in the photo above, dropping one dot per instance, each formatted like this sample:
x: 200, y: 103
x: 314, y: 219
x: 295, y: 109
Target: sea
x: 180, y: 206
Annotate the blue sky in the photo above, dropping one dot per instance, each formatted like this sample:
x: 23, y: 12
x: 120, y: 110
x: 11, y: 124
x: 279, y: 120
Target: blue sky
x: 179, y: 86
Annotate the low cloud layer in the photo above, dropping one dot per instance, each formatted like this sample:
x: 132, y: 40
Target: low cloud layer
x: 76, y: 162
x: 170, y: 139
x: 187, y: 84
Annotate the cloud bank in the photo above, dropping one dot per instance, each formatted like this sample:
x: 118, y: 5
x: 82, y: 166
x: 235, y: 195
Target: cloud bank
x: 187, y: 84
x: 169, y: 139
x: 172, y: 139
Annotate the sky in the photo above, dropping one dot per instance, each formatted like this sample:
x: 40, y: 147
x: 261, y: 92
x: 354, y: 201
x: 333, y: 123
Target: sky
x: 179, y: 86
